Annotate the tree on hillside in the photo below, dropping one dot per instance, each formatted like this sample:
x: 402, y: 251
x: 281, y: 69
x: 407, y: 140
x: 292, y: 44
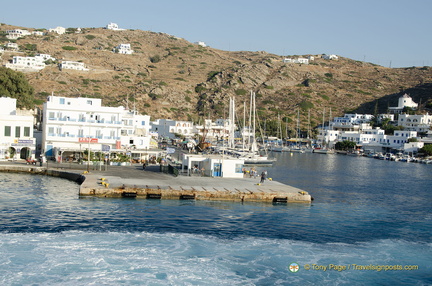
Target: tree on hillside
x: 14, y: 84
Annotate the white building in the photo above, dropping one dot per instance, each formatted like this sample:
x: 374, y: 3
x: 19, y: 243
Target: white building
x: 72, y: 125
x: 45, y: 57
x: 202, y: 44
x: 220, y: 129
x: 213, y: 166
x: 113, y: 26
x: 350, y: 122
x: 59, y: 30
x: 16, y: 132
x: 17, y: 33
x: 123, y: 49
x: 12, y: 46
x: 419, y: 123
x: 38, y: 33
x: 72, y: 66
x: 330, y: 57
x: 167, y: 128
x: 296, y: 61
x: 26, y: 63
x: 404, y: 101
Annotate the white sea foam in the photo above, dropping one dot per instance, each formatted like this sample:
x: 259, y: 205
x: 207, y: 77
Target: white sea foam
x: 92, y: 258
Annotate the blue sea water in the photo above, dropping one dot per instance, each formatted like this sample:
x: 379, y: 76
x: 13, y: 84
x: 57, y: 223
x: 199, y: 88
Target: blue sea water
x: 366, y: 213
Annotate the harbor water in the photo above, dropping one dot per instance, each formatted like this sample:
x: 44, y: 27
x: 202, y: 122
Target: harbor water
x: 370, y: 224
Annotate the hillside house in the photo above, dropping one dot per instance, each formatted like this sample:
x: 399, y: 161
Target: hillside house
x: 330, y: 57
x: 46, y: 57
x: 12, y: 46
x: 59, y: 30
x: 403, y: 101
x: 38, y: 33
x: 123, y: 49
x: 71, y: 65
x: 419, y: 123
x: 202, y: 44
x: 17, y: 33
x: 296, y: 61
x: 113, y: 26
x: 26, y: 63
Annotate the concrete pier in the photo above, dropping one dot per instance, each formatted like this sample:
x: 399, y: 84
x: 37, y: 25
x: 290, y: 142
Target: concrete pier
x: 132, y: 181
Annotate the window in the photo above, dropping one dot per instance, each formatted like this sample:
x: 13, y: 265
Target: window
x: 17, y: 131
x: 143, y: 123
x: 239, y: 168
x: 26, y: 131
x: 81, y: 133
x: 62, y: 101
x: 7, y: 131
x: 51, y: 115
x: 99, y: 134
x: 89, y: 102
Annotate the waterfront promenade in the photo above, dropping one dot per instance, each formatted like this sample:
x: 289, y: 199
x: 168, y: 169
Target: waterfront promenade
x: 133, y: 181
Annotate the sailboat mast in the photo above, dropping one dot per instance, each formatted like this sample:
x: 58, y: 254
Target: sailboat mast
x: 250, y: 121
x: 254, y: 122
x: 244, y: 123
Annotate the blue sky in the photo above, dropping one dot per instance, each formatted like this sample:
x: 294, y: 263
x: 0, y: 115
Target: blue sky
x: 384, y: 32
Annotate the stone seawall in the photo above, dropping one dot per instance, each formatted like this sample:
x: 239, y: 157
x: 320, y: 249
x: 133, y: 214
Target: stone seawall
x: 31, y: 169
x: 197, y: 194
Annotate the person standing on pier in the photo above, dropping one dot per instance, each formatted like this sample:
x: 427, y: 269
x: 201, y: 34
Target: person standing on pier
x: 263, y: 176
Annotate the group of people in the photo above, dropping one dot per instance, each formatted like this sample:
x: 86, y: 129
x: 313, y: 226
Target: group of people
x: 254, y: 173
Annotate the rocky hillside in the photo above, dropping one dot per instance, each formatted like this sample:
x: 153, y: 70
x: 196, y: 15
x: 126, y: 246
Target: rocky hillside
x: 173, y: 78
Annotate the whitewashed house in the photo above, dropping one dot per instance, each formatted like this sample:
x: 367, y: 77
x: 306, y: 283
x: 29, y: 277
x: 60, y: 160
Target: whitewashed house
x: 220, y: 129
x: 296, y: 61
x: 113, y: 26
x: 419, y: 123
x: 12, y: 46
x: 202, y: 44
x: 167, y: 128
x: 330, y: 57
x: 59, y: 30
x: 38, y: 33
x: 17, y: 33
x: 16, y: 140
x: 26, y: 63
x: 403, y: 101
x: 123, y: 49
x: 79, y: 66
x: 412, y: 148
x: 72, y: 125
x: 46, y: 57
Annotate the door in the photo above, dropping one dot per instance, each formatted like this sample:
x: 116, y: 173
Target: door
x: 217, y: 170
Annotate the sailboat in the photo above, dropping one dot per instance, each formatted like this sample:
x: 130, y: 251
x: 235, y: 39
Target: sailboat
x: 323, y: 150
x: 252, y: 156
x: 297, y: 148
x: 280, y: 147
